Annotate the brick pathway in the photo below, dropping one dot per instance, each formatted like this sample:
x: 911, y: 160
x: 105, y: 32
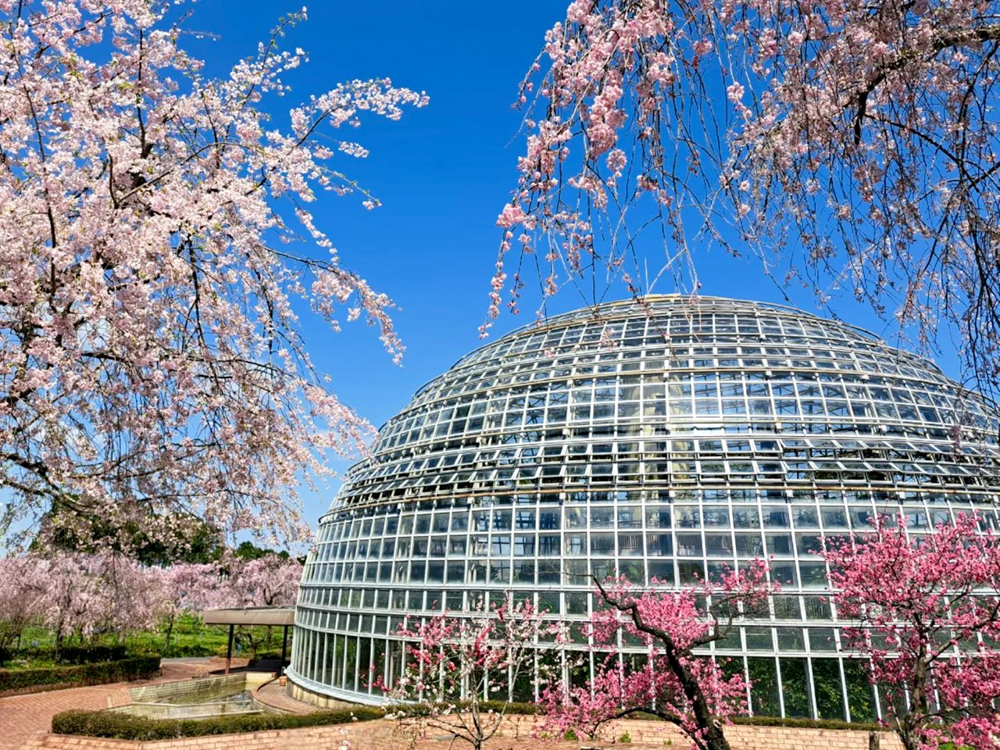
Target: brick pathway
x: 369, y: 735
x: 22, y: 716
x: 385, y: 735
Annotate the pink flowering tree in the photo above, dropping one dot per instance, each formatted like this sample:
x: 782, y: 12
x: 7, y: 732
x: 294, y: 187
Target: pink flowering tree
x: 691, y: 691
x: 73, y: 602
x: 87, y: 594
x: 456, y: 664
x: 157, y: 246
x: 189, y: 587
x: 926, y: 610
x: 271, y: 580
x: 130, y: 594
x: 850, y: 143
x: 21, y: 587
x: 268, y: 581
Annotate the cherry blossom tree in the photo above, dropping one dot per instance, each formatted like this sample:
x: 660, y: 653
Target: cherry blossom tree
x: 130, y: 593
x: 926, y: 610
x: 21, y: 588
x: 670, y: 680
x: 86, y: 594
x: 71, y: 602
x: 456, y: 664
x: 271, y: 580
x: 268, y: 581
x: 77, y: 594
x: 155, y: 238
x: 850, y: 143
x: 189, y: 587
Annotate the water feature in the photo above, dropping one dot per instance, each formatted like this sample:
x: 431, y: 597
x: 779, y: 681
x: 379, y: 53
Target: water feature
x: 199, y: 698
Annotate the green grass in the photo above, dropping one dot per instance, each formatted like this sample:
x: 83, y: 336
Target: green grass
x: 190, y: 637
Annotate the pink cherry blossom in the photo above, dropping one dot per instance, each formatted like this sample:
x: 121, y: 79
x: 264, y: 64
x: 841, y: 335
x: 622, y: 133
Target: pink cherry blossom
x: 686, y: 689
x: 155, y: 232
x: 855, y: 142
x: 21, y: 590
x: 455, y: 662
x: 926, y: 614
x: 269, y: 581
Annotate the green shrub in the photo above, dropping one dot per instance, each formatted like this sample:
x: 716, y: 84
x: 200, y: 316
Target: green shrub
x: 513, y: 709
x: 777, y: 721
x: 80, y: 674
x: 127, y: 727
x: 188, y: 650
x: 425, y: 709
x: 91, y: 654
x: 87, y: 654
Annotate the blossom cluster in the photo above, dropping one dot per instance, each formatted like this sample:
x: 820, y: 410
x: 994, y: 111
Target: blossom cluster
x: 155, y: 234
x: 854, y: 141
x: 672, y: 681
x: 927, y: 614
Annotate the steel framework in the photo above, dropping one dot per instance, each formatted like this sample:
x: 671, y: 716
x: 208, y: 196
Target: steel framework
x: 657, y: 439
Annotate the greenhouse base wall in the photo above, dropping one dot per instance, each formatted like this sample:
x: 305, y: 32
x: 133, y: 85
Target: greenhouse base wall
x: 324, y: 696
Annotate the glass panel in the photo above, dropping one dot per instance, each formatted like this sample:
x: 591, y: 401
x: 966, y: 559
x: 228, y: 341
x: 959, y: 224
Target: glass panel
x: 351, y: 668
x: 795, y: 687
x: 860, y: 694
x: 827, y: 688
x: 763, y: 674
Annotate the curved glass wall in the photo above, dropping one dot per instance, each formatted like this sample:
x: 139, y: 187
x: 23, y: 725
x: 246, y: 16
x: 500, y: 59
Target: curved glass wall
x: 657, y: 440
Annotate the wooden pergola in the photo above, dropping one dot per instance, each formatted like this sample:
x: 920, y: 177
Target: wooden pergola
x: 273, y: 616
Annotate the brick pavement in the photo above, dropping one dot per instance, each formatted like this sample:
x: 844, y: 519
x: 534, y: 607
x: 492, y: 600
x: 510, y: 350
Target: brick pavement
x: 22, y: 716
x: 25, y: 720
x: 384, y: 735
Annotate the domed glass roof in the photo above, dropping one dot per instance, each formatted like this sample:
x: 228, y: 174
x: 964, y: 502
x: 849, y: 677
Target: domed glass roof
x: 662, y: 439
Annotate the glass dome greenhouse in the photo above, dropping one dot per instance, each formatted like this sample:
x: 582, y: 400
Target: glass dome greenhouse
x: 658, y: 439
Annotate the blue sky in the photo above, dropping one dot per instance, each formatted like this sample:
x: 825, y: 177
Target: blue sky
x: 442, y: 173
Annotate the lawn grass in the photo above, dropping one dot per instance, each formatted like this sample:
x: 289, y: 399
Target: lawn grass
x: 190, y: 637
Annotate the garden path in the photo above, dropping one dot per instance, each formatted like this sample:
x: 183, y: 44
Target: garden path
x: 24, y: 716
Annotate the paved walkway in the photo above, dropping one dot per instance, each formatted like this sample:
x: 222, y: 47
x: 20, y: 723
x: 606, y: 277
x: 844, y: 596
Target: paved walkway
x: 274, y: 695
x: 22, y: 716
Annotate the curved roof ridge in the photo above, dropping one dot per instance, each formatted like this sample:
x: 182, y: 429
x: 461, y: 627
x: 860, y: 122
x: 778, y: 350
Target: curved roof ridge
x: 594, y: 311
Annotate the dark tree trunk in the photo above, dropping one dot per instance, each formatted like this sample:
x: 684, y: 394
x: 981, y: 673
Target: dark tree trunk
x: 170, y: 632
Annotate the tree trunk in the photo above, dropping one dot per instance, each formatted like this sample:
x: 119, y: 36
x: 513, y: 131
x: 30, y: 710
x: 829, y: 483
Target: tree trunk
x: 170, y: 632
x: 715, y: 738
x: 911, y: 734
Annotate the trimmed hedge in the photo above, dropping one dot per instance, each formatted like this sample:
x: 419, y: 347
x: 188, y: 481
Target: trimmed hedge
x: 16, y: 680
x: 425, y: 709
x: 190, y: 649
x: 91, y: 654
x: 531, y: 709
x: 70, y: 654
x: 777, y: 721
x: 121, y: 726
